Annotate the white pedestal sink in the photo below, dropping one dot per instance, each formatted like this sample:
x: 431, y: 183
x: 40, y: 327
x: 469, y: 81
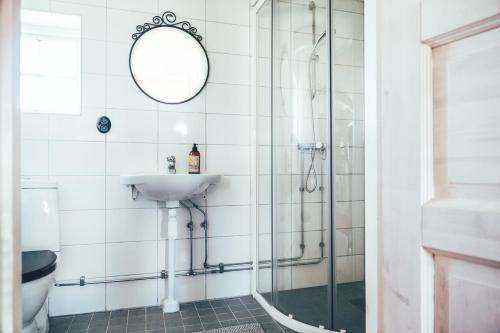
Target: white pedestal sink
x: 169, y: 188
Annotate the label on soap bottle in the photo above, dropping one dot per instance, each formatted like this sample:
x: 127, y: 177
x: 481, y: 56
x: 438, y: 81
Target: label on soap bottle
x: 193, y: 164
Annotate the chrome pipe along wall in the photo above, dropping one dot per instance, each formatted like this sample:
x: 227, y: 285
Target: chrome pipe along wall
x: 204, y: 225
x: 190, y: 226
x: 208, y: 268
x: 163, y: 275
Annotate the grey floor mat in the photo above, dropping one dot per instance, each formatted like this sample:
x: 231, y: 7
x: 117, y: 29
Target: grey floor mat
x: 247, y: 328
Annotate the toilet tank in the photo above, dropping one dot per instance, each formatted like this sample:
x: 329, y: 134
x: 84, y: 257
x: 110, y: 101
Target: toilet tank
x: 39, y: 216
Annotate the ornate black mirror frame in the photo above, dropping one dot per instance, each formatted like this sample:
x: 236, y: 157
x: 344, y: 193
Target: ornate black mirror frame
x: 168, y: 20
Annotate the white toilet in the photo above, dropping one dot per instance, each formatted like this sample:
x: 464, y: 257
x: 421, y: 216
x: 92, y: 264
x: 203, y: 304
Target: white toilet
x: 40, y: 246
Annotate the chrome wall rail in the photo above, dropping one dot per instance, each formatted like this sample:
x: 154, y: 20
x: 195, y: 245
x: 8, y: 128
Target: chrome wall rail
x: 216, y: 269
x: 163, y: 275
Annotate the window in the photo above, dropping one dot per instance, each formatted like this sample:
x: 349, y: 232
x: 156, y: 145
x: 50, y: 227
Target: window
x: 50, y: 63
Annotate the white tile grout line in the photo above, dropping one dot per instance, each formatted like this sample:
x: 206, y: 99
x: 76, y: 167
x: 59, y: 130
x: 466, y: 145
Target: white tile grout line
x: 158, y: 212
x: 205, y: 280
x: 106, y: 160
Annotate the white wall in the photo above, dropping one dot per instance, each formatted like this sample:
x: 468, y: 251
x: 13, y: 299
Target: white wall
x: 104, y: 234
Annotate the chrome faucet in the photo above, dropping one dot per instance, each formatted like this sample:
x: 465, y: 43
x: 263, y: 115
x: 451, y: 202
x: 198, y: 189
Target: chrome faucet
x: 171, y: 164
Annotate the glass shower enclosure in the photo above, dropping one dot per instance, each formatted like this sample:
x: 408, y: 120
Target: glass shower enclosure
x: 310, y: 168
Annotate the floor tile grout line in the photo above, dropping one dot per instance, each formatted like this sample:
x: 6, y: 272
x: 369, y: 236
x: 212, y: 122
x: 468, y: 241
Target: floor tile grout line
x: 72, y: 319
x: 212, y: 308
x: 196, y: 308
x: 109, y: 319
x: 231, y: 310
x: 254, y: 317
x: 215, y: 314
x: 126, y: 324
x: 90, y: 321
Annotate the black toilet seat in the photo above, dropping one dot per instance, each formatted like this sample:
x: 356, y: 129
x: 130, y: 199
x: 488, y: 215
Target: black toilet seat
x: 37, y: 264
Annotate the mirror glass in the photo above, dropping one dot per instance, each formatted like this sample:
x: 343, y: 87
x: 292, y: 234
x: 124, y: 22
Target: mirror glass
x: 169, y: 64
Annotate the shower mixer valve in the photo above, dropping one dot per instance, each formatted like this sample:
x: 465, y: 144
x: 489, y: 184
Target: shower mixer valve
x: 318, y: 146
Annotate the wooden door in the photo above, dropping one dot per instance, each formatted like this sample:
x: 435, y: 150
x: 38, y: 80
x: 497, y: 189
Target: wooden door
x: 461, y: 219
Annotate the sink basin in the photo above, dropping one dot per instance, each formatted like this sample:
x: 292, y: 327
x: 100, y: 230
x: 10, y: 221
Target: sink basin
x: 170, y: 187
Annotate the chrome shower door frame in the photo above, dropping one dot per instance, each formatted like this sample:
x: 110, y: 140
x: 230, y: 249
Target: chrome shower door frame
x: 330, y: 195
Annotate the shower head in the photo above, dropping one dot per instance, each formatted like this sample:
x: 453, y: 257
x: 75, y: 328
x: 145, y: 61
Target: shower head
x: 312, y: 5
x: 313, y: 59
x: 313, y: 52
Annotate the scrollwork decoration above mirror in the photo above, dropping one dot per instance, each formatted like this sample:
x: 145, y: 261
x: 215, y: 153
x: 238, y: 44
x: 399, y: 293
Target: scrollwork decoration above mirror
x: 167, y: 60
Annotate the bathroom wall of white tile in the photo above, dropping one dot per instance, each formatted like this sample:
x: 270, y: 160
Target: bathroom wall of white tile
x: 104, y: 234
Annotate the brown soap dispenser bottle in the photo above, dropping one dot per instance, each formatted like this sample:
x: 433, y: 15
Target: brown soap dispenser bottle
x: 194, y: 160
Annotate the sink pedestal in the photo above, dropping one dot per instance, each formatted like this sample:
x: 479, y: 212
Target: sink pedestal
x: 170, y: 304
x: 169, y: 188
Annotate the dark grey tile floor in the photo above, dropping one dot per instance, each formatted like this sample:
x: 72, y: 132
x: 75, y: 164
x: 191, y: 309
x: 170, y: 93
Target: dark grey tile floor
x: 310, y: 305
x: 193, y: 317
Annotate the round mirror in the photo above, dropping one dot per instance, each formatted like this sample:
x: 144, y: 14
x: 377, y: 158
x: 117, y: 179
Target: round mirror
x: 167, y: 61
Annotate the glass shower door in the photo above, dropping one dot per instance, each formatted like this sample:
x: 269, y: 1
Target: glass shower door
x: 264, y: 158
x: 309, y: 138
x: 301, y: 166
x: 348, y: 115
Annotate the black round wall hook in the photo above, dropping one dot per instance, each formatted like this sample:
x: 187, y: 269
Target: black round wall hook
x: 103, y: 124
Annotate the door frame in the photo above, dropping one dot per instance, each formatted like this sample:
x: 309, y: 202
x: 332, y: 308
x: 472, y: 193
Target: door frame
x: 373, y: 285
x: 10, y: 253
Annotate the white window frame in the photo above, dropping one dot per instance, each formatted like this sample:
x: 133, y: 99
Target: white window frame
x: 47, y: 26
